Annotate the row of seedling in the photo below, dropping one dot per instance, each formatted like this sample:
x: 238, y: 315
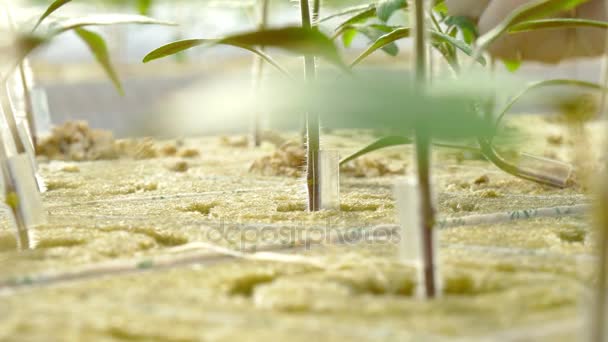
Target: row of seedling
x: 23, y: 106
x: 418, y: 114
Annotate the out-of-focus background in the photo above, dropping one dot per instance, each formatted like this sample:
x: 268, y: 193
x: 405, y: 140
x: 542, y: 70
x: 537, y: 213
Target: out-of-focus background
x: 192, y: 94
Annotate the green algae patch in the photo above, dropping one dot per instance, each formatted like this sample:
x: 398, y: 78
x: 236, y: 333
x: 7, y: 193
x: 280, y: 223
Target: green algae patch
x: 572, y: 235
x: 52, y: 185
x: 291, y: 206
x: 7, y: 242
x: 353, y: 206
x: 203, y: 208
x: 244, y: 284
x: 59, y: 242
x: 165, y: 239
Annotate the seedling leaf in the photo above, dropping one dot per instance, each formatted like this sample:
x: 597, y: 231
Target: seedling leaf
x: 175, y: 47
x: 382, y: 41
x: 441, y: 8
x: 52, y: 8
x: 466, y: 27
x: 143, y: 6
x: 459, y: 44
x: 26, y: 43
x: 348, y: 36
x: 557, y: 23
x: 543, y: 84
x: 99, y: 49
x: 297, y: 40
x: 349, y: 10
x: 62, y: 25
x: 404, y: 32
x: 356, y: 19
x: 377, y: 145
x: 372, y: 32
x: 386, y: 8
x: 183, y: 45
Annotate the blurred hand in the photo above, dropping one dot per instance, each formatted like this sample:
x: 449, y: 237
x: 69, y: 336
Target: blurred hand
x: 547, y: 45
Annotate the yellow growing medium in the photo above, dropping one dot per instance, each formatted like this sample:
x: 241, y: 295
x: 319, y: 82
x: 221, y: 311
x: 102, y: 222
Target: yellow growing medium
x: 501, y: 281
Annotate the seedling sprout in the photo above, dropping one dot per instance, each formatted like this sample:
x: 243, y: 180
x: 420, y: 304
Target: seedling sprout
x: 258, y: 72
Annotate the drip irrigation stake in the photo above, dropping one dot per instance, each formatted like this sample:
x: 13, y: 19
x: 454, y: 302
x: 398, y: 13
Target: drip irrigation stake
x: 329, y: 179
x: 20, y: 191
x: 411, y: 251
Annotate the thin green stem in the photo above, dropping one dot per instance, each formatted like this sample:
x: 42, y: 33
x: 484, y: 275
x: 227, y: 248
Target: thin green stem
x: 599, y: 314
x: 423, y: 160
x: 419, y: 41
x: 312, y: 124
x: 258, y: 73
x: 598, y: 328
x: 447, y: 50
x: 423, y: 157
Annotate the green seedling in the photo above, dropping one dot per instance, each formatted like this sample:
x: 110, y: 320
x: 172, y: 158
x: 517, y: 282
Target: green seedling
x: 21, y: 194
x: 445, y: 39
x: 305, y: 40
x: 423, y: 157
x: 312, y: 120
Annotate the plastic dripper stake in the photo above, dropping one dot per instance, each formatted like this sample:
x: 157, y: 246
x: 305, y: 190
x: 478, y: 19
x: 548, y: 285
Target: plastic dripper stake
x: 407, y: 197
x: 556, y: 172
x: 329, y: 172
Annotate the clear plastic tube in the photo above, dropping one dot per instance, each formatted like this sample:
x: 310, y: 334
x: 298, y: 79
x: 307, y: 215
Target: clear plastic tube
x: 42, y: 113
x: 21, y: 174
x: 556, y: 172
x: 329, y: 172
x: 407, y: 197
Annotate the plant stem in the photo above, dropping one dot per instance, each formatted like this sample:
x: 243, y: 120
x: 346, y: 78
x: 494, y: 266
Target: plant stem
x: 312, y: 123
x: 599, y: 313
x: 420, y: 42
x: 258, y: 72
x: 598, y: 319
x: 427, y: 212
x: 423, y: 158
